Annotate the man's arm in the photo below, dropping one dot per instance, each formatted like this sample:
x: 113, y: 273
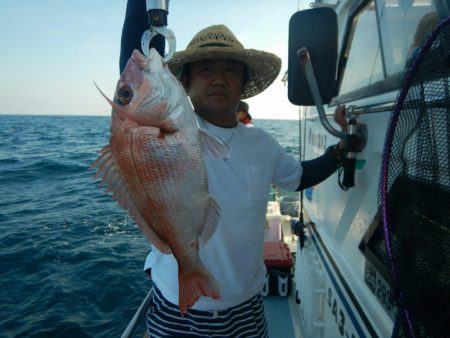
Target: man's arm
x: 320, y: 168
x: 136, y: 22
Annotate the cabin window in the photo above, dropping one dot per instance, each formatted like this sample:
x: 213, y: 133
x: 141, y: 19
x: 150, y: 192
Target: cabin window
x: 403, y: 27
x: 363, y: 66
x: 383, y: 36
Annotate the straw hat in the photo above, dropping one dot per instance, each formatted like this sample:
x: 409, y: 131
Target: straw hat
x: 218, y: 42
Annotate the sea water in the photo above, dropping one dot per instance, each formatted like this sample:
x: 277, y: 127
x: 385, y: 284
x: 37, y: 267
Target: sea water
x: 71, y: 260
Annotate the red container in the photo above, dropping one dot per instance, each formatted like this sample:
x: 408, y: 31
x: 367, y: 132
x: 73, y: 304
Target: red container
x: 277, y: 255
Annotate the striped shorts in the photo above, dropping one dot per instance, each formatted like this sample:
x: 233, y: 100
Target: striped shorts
x: 246, y: 320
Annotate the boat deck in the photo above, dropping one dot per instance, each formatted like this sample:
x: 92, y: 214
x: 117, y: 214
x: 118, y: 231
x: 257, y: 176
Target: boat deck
x: 279, y: 317
x: 282, y: 313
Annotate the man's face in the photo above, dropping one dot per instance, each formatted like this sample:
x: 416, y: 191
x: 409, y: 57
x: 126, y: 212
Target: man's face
x: 215, y: 87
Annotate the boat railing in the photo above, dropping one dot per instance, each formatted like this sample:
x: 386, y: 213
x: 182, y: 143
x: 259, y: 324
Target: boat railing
x: 140, y: 313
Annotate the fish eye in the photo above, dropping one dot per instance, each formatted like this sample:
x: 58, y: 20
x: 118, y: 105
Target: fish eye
x: 125, y: 95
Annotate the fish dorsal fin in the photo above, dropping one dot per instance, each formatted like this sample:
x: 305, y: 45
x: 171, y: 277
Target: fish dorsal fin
x: 212, y: 146
x: 211, y: 221
x: 110, y: 177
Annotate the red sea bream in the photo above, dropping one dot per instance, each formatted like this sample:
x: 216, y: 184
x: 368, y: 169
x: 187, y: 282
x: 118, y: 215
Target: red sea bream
x: 153, y: 166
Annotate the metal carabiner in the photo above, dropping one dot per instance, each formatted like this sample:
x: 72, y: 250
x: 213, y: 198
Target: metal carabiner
x: 149, y: 34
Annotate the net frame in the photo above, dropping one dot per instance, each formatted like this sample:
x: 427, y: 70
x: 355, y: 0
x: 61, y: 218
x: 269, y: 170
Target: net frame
x: 385, y: 185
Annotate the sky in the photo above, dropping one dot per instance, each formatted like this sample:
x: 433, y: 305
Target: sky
x: 52, y: 51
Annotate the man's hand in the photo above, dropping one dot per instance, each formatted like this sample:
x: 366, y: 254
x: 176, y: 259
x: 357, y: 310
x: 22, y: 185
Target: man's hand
x: 339, y: 118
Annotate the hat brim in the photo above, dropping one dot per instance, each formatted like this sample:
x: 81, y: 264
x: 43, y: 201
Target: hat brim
x: 263, y: 67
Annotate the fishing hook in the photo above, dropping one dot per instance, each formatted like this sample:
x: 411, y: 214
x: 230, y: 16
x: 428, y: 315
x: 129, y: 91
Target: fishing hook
x: 149, y: 34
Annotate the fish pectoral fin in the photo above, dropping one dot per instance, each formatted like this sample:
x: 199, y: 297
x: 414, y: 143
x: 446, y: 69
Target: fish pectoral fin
x: 213, y: 146
x: 110, y: 177
x: 167, y: 126
x: 211, y: 221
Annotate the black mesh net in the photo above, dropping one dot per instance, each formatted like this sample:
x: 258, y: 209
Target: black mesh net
x: 415, y: 192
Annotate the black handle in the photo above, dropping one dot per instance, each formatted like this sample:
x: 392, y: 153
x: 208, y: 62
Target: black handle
x: 349, y: 173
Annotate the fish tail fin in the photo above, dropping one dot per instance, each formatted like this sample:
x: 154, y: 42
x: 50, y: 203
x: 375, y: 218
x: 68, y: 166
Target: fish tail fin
x: 195, y: 283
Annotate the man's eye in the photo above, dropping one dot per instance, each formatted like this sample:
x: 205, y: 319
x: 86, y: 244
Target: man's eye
x: 207, y: 69
x: 232, y: 71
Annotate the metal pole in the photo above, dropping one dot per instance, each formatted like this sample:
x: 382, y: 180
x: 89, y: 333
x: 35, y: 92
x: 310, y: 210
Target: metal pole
x: 305, y: 61
x: 132, y: 325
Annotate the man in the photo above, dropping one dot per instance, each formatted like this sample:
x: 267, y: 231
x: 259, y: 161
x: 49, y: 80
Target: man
x: 217, y: 72
x: 242, y: 114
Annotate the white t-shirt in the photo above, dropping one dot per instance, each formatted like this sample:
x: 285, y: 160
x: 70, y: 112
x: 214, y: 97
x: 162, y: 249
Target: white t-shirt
x: 240, y: 184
